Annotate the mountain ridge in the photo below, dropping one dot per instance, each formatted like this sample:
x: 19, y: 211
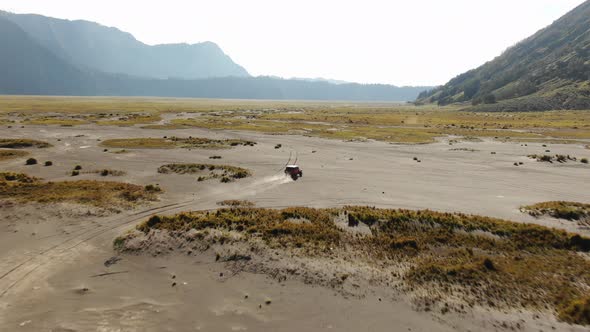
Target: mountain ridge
x: 111, y: 50
x: 548, y: 70
x: 29, y: 68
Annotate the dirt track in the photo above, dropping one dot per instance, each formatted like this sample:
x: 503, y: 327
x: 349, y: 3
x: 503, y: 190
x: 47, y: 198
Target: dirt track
x: 50, y: 261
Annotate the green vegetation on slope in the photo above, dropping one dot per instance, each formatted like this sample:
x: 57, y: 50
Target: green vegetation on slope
x: 547, y: 71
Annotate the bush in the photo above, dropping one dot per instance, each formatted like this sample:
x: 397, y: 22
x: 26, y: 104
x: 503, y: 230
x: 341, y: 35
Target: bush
x: 75, y: 173
x: 77, y: 168
x: 104, y: 172
x: 576, y: 312
x: 153, y: 188
x: 489, y: 99
x: 584, y: 160
x: 489, y: 264
x: 278, y: 146
x: 48, y: 163
x: 31, y: 161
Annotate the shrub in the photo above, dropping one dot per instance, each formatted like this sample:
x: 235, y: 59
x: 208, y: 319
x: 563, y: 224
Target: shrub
x: 576, y: 312
x: 48, y: 163
x: 225, y: 179
x: 489, y: 99
x: 278, y: 146
x: 489, y: 264
x: 75, y: 173
x: 584, y: 160
x: 31, y: 161
x: 153, y: 188
x: 77, y: 168
x: 104, y: 172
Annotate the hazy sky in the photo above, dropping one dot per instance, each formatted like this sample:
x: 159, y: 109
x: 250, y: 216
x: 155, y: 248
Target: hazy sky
x: 418, y: 42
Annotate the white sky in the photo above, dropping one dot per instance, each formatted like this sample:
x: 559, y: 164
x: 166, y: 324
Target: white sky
x: 409, y: 42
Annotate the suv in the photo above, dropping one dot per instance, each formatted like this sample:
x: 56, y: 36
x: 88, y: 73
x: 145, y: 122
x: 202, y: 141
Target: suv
x: 294, y: 171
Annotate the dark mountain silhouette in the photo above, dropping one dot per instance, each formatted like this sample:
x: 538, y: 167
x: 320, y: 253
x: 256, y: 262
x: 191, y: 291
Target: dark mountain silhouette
x: 27, y: 67
x: 549, y: 70
x: 91, y: 45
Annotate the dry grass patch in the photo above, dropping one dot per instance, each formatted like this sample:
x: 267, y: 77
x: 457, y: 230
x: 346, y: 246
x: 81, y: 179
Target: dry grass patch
x: 275, y: 227
x: 106, y: 172
x: 175, y: 142
x: 108, y: 195
x: 12, y: 154
x: 560, y: 210
x: 577, y: 311
x: 10, y: 143
x: 55, y: 121
x: 459, y: 260
x: 236, y: 203
x: 225, y: 173
x: 130, y: 119
x: 560, y: 158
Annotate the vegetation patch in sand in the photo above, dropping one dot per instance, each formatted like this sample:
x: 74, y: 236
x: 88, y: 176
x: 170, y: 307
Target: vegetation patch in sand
x: 174, y: 142
x: 560, y: 158
x: 12, y: 154
x: 560, y: 210
x: 447, y: 261
x: 225, y: 173
x: 106, y: 172
x: 108, y: 195
x: 9, y: 143
x: 236, y: 203
x: 130, y: 119
x: 57, y: 121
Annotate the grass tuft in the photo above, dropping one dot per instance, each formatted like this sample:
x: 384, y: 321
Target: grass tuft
x: 174, y: 142
x: 12, y: 154
x: 8, y: 143
x: 225, y: 173
x: 559, y: 210
x: 103, y: 194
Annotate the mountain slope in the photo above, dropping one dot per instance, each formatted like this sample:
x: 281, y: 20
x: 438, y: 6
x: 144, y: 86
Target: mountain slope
x: 549, y: 70
x: 91, y: 45
x: 28, y: 68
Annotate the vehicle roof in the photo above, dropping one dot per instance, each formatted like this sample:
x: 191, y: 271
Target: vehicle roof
x: 292, y: 166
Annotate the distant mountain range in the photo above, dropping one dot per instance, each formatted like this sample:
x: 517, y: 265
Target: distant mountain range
x: 110, y: 50
x: 47, y: 56
x: 547, y: 71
